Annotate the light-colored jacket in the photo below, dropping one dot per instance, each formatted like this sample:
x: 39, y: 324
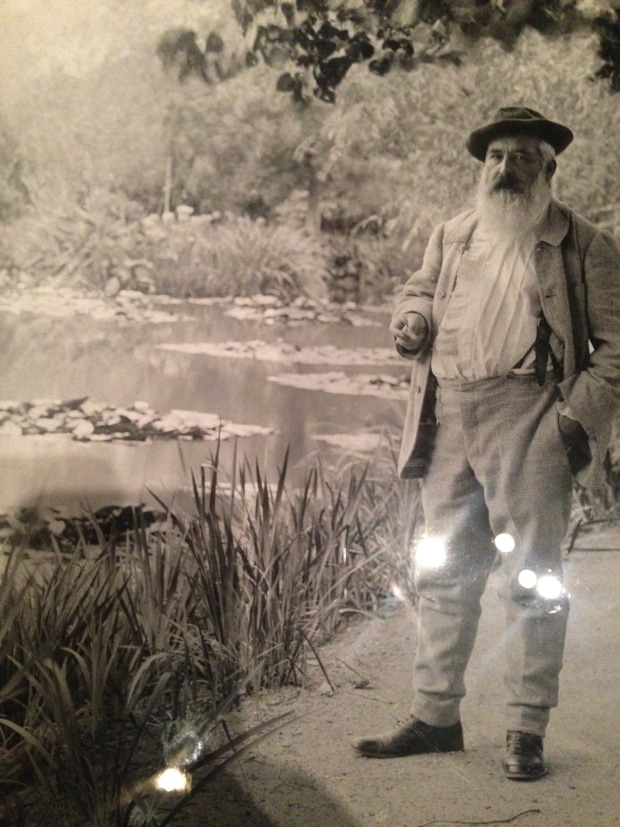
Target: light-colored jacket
x: 578, y: 271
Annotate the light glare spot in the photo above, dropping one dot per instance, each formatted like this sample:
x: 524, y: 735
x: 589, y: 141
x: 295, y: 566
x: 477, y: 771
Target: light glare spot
x: 431, y: 553
x: 527, y: 579
x: 549, y: 587
x: 505, y: 543
x: 172, y: 780
x: 397, y: 592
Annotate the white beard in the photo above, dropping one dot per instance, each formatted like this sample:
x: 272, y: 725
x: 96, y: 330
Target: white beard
x: 508, y: 213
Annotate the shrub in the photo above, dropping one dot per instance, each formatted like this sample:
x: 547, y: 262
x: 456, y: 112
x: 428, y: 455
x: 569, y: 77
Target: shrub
x: 102, y: 240
x: 223, y: 256
x: 366, y: 268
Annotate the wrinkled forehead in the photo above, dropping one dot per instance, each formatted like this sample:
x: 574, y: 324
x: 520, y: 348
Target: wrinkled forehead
x: 515, y: 141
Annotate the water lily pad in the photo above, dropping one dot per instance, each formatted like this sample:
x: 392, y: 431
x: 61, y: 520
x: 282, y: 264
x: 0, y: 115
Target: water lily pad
x: 50, y: 424
x: 361, y: 443
x: 63, y: 302
x: 184, y: 420
x: 83, y: 429
x: 301, y: 310
x: 40, y: 411
x: 91, y: 408
x: 235, y: 429
x: 99, y: 422
x: 341, y: 383
x: 110, y: 417
x: 288, y: 353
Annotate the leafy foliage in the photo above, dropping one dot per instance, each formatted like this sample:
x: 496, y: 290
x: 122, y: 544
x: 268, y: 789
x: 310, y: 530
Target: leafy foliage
x: 609, y: 49
x: 233, y: 255
x: 324, y: 39
x: 102, y: 149
x: 179, y: 48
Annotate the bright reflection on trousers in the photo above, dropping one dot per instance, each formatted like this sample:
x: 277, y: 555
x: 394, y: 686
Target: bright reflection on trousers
x: 498, y: 467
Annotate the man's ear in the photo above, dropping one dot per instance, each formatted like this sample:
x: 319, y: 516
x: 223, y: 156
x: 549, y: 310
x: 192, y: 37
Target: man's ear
x: 551, y: 168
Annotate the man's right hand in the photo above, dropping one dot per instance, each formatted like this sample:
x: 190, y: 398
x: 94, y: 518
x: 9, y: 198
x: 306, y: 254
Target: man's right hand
x: 410, y: 332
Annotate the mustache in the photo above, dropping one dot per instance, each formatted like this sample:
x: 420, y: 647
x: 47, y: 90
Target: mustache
x: 506, y: 182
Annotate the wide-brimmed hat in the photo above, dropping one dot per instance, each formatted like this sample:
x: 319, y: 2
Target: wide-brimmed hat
x: 518, y: 120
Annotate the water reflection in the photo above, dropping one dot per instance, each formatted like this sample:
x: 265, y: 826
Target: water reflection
x: 43, y: 357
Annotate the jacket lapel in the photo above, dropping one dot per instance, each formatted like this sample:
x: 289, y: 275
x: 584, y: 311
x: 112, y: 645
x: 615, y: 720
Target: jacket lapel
x: 549, y: 265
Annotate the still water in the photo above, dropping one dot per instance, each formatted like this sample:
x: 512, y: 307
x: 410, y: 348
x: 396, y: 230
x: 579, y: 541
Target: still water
x: 116, y: 363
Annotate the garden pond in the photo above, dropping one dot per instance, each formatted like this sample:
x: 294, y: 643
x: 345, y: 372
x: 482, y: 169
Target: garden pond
x: 108, y: 401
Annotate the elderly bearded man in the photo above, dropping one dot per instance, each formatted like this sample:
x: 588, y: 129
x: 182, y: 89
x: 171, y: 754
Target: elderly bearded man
x: 513, y: 322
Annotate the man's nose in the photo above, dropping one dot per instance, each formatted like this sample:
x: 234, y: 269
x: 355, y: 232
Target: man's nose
x: 506, y: 164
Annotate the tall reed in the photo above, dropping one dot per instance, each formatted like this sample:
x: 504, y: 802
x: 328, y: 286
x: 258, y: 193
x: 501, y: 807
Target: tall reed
x: 113, y: 664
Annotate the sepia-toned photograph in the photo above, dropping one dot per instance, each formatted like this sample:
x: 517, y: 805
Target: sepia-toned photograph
x: 309, y: 413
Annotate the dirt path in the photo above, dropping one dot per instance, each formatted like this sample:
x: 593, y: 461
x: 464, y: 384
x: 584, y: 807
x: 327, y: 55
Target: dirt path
x: 308, y: 776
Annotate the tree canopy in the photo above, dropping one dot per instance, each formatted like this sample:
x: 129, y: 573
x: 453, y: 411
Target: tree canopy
x: 88, y: 121
x: 317, y: 42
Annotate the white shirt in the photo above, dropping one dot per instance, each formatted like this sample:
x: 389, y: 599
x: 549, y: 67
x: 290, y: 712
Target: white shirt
x: 489, y: 325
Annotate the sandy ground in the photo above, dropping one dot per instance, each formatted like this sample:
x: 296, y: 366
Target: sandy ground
x: 307, y: 775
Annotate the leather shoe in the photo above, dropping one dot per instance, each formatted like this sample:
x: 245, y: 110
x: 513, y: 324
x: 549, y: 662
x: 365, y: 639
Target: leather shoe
x: 524, y: 756
x: 415, y: 738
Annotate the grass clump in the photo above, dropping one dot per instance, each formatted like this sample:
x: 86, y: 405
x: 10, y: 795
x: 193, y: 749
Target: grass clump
x: 105, y: 242
x: 216, y: 256
x: 119, y: 660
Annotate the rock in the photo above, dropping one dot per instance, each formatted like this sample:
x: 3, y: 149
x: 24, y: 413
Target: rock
x: 113, y: 286
x: 143, y: 280
x: 184, y: 212
x: 129, y: 297
x: 264, y: 301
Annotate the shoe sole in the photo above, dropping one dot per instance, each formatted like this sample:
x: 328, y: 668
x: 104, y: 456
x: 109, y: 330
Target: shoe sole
x: 521, y: 776
x: 432, y: 751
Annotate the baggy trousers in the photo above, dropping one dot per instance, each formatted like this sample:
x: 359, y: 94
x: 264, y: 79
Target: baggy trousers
x: 498, y: 467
